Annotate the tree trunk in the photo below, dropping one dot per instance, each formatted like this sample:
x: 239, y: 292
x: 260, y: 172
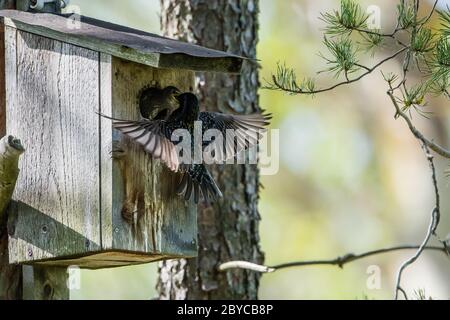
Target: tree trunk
x: 229, y: 229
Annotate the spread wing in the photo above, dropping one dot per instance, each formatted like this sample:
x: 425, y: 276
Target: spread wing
x: 238, y: 132
x: 152, y: 135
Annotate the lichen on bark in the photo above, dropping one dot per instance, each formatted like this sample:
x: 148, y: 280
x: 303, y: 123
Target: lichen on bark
x: 10, y: 275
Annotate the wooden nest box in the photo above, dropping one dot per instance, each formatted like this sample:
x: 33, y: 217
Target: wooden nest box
x: 59, y: 72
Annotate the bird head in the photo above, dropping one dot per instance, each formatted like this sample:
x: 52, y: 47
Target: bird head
x: 189, y: 103
x: 171, y: 91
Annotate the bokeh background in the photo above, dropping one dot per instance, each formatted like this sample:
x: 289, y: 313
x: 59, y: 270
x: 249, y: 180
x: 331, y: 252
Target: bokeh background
x: 351, y: 177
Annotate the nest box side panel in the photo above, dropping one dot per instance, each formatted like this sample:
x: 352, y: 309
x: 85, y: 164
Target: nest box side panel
x: 161, y: 224
x: 2, y: 82
x: 52, y: 93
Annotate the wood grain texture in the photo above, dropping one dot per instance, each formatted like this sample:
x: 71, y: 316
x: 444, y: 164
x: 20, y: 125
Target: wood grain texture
x: 126, y: 43
x: 2, y: 82
x: 162, y: 222
x: 52, y: 93
x: 45, y: 283
x: 106, y: 259
x: 71, y: 193
x: 107, y: 189
x: 10, y: 275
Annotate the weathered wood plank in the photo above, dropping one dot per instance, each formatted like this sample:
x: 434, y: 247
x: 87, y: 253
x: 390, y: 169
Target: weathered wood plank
x: 125, y: 43
x: 10, y: 275
x: 52, y: 93
x: 106, y: 148
x: 163, y: 222
x: 183, y: 61
x: 150, y: 59
x: 106, y: 259
x: 71, y: 194
x: 45, y: 283
x: 2, y: 82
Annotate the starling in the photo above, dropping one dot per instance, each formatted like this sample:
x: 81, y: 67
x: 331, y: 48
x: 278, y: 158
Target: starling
x: 156, y: 138
x: 155, y: 103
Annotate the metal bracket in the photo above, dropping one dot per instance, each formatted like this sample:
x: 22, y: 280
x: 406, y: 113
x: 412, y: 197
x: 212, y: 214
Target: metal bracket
x: 49, y: 6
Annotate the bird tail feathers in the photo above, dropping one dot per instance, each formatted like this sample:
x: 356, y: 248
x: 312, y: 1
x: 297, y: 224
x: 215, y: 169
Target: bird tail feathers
x: 197, y: 180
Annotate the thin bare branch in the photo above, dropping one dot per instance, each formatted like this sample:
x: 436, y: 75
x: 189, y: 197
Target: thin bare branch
x: 391, y: 35
x: 403, y: 292
x: 339, y: 261
x: 430, y: 144
x: 245, y: 265
x: 434, y: 221
x: 384, y: 35
x: 431, y: 230
x: 437, y: 197
x: 433, y: 9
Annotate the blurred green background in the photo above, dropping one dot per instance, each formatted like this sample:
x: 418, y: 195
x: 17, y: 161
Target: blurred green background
x: 351, y: 177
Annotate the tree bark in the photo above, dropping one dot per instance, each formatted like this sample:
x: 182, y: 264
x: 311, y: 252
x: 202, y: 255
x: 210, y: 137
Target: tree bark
x: 227, y: 230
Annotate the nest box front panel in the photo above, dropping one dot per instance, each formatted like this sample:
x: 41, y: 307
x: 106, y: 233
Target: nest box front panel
x: 77, y: 202
x: 140, y: 210
x: 52, y: 93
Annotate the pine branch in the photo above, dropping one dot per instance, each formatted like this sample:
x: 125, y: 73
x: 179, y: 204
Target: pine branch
x: 445, y: 21
x: 344, y: 57
x: 285, y: 79
x: 342, y: 22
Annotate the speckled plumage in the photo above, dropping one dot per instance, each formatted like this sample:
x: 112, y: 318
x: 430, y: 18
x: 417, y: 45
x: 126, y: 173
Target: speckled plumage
x: 155, y: 136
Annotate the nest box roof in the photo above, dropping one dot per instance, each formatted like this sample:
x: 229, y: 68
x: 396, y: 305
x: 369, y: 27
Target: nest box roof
x: 123, y: 42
